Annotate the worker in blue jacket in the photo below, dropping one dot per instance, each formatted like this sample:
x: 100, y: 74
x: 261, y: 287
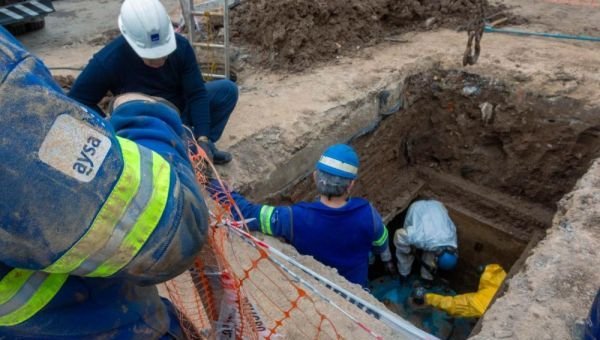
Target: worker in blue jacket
x: 93, y: 213
x: 337, y: 230
x: 150, y: 58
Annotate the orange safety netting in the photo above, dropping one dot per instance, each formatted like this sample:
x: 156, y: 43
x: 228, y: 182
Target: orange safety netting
x: 236, y: 290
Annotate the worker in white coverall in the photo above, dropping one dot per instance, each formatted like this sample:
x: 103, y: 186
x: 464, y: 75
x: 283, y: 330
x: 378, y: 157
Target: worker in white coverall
x: 429, y: 228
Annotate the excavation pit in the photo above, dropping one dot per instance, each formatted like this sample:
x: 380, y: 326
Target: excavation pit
x: 498, y: 156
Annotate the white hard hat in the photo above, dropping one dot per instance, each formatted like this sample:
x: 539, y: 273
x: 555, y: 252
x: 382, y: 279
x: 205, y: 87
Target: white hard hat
x: 147, y: 28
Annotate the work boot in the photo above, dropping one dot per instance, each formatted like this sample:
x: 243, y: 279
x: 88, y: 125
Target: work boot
x: 220, y: 157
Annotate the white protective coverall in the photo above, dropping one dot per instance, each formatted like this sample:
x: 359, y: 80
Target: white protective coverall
x: 428, y: 227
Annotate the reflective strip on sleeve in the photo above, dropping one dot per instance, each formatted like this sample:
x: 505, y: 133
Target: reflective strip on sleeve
x: 111, y: 212
x: 381, y: 241
x: 145, y: 223
x: 23, y: 293
x: 265, y: 219
x: 126, y: 223
x: 127, y: 218
x: 11, y: 283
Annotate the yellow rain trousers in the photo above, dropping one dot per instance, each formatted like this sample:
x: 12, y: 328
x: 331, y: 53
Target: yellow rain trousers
x: 471, y: 304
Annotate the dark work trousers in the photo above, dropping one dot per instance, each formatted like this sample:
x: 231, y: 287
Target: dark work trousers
x: 222, y: 97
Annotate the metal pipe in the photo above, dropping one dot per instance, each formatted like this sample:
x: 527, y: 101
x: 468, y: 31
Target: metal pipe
x: 226, y: 36
x: 187, y: 7
x: 541, y: 34
x: 209, y: 45
x: 213, y: 75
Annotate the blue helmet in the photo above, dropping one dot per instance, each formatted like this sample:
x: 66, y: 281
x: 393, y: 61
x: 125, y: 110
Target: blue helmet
x: 447, y: 260
x: 339, y: 160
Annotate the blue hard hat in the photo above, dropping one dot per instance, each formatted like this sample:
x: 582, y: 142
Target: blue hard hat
x: 339, y: 160
x: 447, y: 260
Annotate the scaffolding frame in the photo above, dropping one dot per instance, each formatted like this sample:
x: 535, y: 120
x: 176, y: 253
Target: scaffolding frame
x: 190, y: 11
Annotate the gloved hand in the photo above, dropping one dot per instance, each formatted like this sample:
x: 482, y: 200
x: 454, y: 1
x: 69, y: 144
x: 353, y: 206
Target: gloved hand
x: 204, y: 143
x: 390, y: 268
x: 418, y: 296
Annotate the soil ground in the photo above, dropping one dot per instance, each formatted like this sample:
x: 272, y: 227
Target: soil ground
x: 293, y: 35
x: 283, y: 121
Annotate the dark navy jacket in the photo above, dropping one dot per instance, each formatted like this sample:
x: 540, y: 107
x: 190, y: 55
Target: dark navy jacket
x: 118, y: 69
x: 44, y: 212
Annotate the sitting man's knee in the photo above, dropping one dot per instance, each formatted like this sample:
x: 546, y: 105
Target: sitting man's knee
x: 231, y: 89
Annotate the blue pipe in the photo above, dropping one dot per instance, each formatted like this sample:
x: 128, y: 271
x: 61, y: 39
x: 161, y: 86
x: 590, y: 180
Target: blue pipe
x: 547, y: 35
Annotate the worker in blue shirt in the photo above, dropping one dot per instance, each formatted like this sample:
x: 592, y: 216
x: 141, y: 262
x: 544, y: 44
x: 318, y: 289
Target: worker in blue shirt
x: 337, y: 230
x: 150, y: 58
x: 92, y: 213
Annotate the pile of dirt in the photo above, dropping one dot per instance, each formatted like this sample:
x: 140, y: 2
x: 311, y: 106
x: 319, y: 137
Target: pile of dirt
x: 292, y: 34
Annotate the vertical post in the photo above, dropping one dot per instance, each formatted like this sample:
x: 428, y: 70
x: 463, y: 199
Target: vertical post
x: 226, y: 37
x: 191, y: 22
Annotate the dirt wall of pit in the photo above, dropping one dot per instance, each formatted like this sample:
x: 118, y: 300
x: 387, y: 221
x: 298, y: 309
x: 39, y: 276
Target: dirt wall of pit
x: 550, y: 297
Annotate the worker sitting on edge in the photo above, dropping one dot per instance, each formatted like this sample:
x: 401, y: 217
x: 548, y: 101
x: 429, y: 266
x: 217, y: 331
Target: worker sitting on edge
x: 337, y: 230
x: 91, y: 218
x: 150, y: 58
x: 427, y: 227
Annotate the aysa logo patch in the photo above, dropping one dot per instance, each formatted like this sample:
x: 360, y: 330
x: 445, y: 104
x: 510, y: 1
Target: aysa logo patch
x: 154, y: 37
x: 74, y: 148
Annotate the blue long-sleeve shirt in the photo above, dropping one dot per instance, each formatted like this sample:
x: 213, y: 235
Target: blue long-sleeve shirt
x: 60, y: 165
x: 118, y: 69
x: 338, y: 237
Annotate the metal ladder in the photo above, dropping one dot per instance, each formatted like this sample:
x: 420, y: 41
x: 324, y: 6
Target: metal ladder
x: 190, y: 11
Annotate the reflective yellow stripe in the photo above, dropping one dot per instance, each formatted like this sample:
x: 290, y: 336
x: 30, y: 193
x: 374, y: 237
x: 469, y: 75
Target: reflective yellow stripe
x: 12, y: 282
x: 379, y: 242
x: 43, y: 294
x: 265, y: 219
x: 145, y: 224
x: 110, y: 213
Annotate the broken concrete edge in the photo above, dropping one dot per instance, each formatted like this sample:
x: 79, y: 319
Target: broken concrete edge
x: 555, y: 273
